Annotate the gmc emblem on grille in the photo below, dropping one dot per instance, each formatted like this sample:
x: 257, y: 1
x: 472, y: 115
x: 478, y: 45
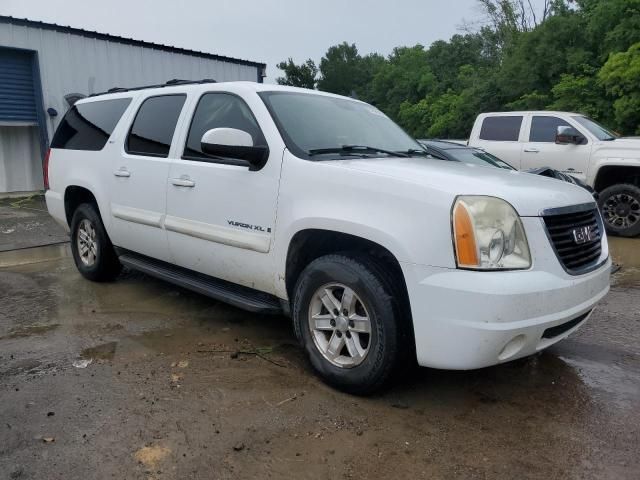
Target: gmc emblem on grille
x: 583, y: 234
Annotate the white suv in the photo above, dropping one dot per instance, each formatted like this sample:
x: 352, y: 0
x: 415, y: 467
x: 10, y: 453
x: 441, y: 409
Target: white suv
x: 284, y: 200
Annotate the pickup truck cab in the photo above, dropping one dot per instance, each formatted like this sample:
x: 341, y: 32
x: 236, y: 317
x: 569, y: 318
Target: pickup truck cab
x: 289, y: 201
x: 574, y: 144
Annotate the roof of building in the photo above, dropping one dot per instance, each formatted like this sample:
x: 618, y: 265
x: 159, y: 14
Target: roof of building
x: 128, y: 41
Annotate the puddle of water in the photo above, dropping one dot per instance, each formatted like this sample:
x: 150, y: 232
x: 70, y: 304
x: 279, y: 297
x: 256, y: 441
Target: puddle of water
x: 618, y: 382
x: 626, y: 252
x: 105, y: 351
x: 27, y: 256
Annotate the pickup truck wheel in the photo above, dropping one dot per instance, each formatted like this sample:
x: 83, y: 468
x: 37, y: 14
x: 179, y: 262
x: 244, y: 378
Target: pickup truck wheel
x: 620, y: 207
x: 346, y: 321
x: 92, y: 250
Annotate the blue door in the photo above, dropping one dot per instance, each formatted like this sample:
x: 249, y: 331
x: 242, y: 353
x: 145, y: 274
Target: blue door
x: 17, y: 89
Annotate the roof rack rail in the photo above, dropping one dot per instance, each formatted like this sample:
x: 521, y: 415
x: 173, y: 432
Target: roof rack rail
x: 171, y: 83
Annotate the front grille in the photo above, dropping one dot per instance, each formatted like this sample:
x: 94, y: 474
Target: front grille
x: 575, y: 257
x: 563, y: 327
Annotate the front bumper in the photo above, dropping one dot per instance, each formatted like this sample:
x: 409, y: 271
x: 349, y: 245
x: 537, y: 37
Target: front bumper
x: 468, y: 319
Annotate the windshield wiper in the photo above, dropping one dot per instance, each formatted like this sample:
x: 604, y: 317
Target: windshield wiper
x: 354, y: 149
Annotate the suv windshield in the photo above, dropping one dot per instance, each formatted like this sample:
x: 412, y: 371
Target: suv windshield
x: 595, y: 128
x: 324, y: 126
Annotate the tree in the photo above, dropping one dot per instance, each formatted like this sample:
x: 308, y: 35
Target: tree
x: 575, y: 55
x: 303, y: 75
x: 405, y: 76
x: 341, y: 70
x: 620, y: 76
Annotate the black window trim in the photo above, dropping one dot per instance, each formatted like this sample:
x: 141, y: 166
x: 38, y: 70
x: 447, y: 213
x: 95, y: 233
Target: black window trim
x: 92, y: 102
x: 155, y: 155
x: 222, y: 160
x: 505, y: 114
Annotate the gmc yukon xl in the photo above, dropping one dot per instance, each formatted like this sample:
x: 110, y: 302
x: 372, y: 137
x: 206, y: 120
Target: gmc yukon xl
x: 290, y: 201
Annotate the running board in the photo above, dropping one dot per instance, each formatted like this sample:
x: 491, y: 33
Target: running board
x: 236, y: 295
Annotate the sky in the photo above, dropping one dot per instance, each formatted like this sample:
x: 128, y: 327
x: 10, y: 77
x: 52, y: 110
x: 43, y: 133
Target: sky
x: 267, y: 31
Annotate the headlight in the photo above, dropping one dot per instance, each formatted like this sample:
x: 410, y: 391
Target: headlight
x: 488, y: 235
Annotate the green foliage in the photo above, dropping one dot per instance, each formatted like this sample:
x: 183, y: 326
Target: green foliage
x: 620, y: 76
x: 303, y: 75
x: 575, y: 55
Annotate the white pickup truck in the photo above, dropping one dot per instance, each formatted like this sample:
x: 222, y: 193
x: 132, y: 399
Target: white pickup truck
x: 284, y: 200
x: 573, y: 144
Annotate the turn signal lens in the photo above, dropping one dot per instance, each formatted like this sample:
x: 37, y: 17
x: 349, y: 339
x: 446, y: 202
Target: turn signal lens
x: 466, y: 249
x: 488, y: 235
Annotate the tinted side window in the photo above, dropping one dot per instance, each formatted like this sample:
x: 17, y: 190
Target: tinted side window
x: 88, y: 126
x: 501, y: 129
x: 220, y: 110
x: 155, y: 123
x: 544, y: 129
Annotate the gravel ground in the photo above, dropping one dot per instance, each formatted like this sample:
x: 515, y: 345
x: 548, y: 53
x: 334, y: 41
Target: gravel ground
x: 139, y: 379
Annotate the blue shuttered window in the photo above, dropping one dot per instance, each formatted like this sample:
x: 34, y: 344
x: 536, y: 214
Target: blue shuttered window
x: 17, y: 93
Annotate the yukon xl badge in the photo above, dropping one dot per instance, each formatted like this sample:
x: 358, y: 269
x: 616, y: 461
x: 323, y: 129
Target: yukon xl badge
x: 248, y: 226
x: 583, y: 234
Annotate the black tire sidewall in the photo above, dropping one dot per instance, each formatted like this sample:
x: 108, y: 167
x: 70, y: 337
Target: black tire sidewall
x: 625, y: 188
x: 106, y: 266
x: 373, y: 372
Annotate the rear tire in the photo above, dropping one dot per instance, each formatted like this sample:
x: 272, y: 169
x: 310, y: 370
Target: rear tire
x: 92, y: 250
x: 620, y: 207
x: 336, y: 342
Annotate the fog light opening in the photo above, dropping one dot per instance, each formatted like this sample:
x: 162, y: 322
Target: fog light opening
x: 512, y: 348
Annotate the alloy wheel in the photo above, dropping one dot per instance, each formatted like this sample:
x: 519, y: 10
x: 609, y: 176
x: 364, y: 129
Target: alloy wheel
x: 87, y: 243
x: 340, y: 325
x: 621, y: 210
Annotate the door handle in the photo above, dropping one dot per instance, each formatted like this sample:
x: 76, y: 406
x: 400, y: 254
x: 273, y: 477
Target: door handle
x: 183, y: 181
x: 122, y: 172
x: 570, y: 169
x: 532, y: 150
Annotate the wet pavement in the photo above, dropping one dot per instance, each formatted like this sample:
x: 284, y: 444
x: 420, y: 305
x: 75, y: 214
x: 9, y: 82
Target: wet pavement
x: 25, y: 222
x: 139, y: 379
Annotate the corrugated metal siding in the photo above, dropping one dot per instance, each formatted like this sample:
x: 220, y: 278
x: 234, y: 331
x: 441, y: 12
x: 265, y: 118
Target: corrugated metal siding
x: 17, y: 94
x: 20, y: 164
x: 71, y: 63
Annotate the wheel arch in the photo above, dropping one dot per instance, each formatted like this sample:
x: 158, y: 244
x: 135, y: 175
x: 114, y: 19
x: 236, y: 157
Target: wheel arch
x: 311, y: 243
x: 609, y: 175
x: 75, y: 195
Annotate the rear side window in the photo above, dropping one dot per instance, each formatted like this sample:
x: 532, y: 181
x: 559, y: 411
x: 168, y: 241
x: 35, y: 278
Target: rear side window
x: 220, y: 110
x: 88, y: 126
x: 501, y: 129
x: 544, y: 129
x: 154, y: 125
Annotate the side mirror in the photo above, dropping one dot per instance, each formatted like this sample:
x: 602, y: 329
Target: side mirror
x: 566, y: 135
x: 234, y: 144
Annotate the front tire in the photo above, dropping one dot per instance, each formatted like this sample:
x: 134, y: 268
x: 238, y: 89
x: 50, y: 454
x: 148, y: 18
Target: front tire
x: 92, y: 250
x: 620, y: 207
x: 347, y: 322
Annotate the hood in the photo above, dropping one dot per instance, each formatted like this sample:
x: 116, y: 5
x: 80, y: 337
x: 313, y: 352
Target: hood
x: 623, y: 147
x: 529, y: 194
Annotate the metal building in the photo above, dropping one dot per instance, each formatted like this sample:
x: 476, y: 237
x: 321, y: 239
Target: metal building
x: 45, y: 67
